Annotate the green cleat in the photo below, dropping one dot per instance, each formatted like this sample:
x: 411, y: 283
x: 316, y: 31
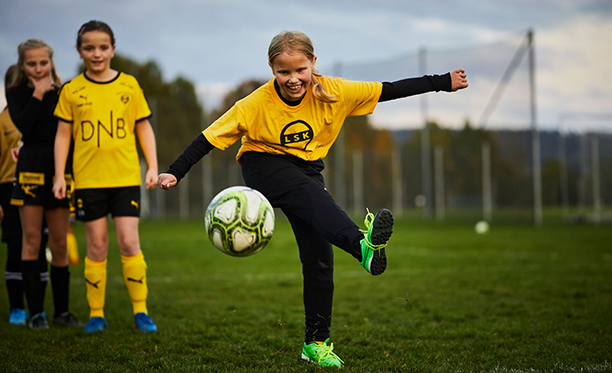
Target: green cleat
x: 379, y: 229
x: 321, y: 353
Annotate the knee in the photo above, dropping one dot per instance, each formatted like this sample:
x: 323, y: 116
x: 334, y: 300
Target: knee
x: 57, y: 242
x: 97, y: 249
x: 129, y: 246
x: 31, y: 240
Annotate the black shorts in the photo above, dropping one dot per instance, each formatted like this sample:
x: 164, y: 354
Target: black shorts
x: 34, y: 179
x: 92, y: 204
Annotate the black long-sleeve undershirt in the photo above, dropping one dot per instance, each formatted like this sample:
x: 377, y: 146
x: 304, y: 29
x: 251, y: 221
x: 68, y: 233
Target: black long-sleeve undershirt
x: 200, y: 146
x: 33, y: 117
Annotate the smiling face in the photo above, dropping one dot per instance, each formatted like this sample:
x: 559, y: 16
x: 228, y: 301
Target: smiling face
x: 293, y: 72
x: 37, y: 63
x: 96, y: 51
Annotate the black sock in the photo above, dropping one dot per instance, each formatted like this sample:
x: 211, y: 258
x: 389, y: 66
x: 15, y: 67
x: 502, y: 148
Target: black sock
x: 12, y: 275
x: 32, y: 287
x: 43, y: 268
x: 14, y: 288
x: 60, y: 284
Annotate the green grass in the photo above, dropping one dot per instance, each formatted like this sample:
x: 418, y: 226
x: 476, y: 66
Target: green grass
x: 519, y: 299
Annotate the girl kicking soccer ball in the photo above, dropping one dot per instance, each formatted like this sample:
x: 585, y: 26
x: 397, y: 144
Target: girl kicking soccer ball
x: 102, y: 110
x: 287, y: 127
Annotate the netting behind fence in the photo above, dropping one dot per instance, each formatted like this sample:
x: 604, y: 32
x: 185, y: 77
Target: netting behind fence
x: 480, y: 151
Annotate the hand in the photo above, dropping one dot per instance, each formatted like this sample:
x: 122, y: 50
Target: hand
x: 41, y: 86
x: 59, y: 188
x: 458, y: 80
x: 166, y: 181
x: 151, y: 179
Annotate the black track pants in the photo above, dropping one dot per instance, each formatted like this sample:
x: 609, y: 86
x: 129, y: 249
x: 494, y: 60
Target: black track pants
x: 298, y: 189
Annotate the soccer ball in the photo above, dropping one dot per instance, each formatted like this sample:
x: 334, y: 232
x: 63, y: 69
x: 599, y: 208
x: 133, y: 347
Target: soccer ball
x: 482, y: 227
x: 239, y: 221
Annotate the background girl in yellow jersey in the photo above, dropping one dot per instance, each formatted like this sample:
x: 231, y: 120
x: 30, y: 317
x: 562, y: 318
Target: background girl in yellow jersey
x: 287, y: 127
x: 31, y: 101
x: 102, y: 110
x: 10, y: 141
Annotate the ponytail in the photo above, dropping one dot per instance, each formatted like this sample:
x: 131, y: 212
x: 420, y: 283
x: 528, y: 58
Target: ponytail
x: 319, y: 92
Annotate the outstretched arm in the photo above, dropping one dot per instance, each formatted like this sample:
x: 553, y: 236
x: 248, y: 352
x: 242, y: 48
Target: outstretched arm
x: 199, y: 147
x: 448, y: 82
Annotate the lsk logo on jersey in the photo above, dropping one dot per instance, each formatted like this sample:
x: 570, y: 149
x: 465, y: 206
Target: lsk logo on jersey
x: 296, y: 134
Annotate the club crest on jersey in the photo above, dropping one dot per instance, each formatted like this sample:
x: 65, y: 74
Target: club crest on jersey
x: 295, y: 133
x: 124, y: 97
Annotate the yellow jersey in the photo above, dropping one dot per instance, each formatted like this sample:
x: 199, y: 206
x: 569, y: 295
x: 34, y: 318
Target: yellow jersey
x: 267, y: 124
x: 10, y: 142
x: 103, y: 118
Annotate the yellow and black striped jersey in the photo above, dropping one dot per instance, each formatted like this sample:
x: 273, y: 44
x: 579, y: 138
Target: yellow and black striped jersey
x: 267, y: 124
x: 103, y: 118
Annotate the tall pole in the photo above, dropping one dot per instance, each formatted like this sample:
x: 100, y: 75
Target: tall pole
x: 358, y: 202
x: 396, y: 171
x: 425, y: 144
x: 563, y: 178
x: 535, y: 138
x: 339, y: 181
x: 487, y: 195
x: 595, y: 180
x: 439, y: 184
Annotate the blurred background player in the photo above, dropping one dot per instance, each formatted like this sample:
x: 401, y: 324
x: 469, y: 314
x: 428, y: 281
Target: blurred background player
x: 10, y: 141
x: 106, y: 167
x: 31, y: 101
x: 287, y: 126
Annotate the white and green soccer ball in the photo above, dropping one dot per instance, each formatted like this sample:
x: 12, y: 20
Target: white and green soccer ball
x: 239, y: 221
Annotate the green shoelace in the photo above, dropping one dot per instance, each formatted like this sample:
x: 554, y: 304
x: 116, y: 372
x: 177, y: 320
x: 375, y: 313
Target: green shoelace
x: 368, y: 221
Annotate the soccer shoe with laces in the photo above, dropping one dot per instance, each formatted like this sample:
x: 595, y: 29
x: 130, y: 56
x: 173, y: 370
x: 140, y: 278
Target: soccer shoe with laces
x: 321, y: 353
x: 378, y: 230
x: 38, y: 321
x: 143, y: 322
x: 66, y: 319
x: 17, y: 316
x: 95, y: 324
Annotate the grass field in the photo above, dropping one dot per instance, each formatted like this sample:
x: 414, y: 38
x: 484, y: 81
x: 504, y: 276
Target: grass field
x: 519, y: 299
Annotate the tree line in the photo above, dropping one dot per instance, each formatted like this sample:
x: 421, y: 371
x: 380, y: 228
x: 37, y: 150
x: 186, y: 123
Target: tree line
x: 178, y: 117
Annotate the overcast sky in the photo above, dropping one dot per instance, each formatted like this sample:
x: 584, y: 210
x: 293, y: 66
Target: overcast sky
x: 219, y: 43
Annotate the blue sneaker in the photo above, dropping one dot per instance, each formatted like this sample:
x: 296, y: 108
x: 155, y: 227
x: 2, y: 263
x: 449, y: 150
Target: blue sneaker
x: 378, y: 230
x: 17, y: 316
x: 143, y: 322
x: 38, y: 321
x: 95, y: 324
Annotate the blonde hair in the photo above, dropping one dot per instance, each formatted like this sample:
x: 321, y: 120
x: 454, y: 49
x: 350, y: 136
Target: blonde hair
x: 298, y: 42
x: 20, y: 77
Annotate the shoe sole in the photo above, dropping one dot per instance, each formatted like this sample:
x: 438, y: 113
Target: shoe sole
x: 381, y: 232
